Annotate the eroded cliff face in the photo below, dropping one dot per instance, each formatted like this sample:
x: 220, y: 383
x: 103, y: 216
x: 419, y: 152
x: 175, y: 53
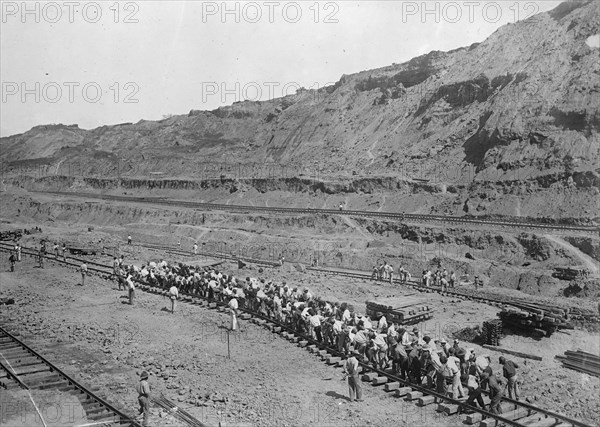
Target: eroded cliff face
x: 517, y: 112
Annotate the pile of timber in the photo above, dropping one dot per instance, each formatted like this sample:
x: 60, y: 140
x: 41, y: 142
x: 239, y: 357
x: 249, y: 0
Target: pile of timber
x: 491, y: 332
x: 406, y: 310
x: 582, y: 314
x: 569, y: 273
x: 581, y: 361
x: 541, y: 320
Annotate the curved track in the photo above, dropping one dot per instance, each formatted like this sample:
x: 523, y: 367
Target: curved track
x: 515, y: 413
x: 29, y: 370
x: 511, y: 222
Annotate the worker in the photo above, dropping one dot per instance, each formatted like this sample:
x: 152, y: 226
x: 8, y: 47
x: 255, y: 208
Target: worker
x: 351, y: 371
x: 173, y: 294
x: 83, y: 269
x: 13, y: 259
x: 131, y: 288
x: 510, y: 373
x: 143, y: 389
x: 233, y: 311
x: 129, y: 240
x: 474, y: 391
x: 41, y: 257
x: 195, y: 248
x: 495, y: 391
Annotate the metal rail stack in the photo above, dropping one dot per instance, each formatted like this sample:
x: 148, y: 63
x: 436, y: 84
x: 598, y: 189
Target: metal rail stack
x: 177, y: 412
x: 581, y: 361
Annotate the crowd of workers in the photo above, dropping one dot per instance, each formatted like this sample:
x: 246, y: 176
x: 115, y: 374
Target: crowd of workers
x: 406, y: 351
x: 412, y: 356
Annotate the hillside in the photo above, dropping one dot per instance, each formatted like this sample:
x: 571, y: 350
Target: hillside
x: 507, y: 126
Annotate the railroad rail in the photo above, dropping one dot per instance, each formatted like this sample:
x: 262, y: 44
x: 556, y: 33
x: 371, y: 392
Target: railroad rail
x: 515, y: 413
x: 407, y: 217
x: 29, y: 370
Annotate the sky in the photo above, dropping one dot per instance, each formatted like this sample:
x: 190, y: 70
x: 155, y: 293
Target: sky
x: 109, y: 62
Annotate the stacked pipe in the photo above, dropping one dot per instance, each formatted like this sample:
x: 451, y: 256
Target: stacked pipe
x: 492, y: 332
x: 175, y: 411
x: 581, y: 361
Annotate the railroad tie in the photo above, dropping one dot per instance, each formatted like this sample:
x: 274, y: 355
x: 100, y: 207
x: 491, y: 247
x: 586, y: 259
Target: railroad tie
x: 403, y: 391
x: 392, y: 386
x: 426, y: 400
x: 368, y: 377
x: 379, y: 381
x: 333, y: 360
x: 544, y: 422
x: 413, y: 395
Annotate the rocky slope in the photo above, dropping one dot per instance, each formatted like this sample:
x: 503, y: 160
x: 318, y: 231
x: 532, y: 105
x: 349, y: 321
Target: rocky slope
x: 514, y: 116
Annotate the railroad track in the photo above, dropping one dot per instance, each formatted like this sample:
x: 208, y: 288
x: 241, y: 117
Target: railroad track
x: 515, y: 413
x: 511, y: 222
x: 22, y: 367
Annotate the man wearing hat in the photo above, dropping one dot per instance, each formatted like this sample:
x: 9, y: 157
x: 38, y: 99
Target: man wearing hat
x: 351, y: 371
x: 143, y: 389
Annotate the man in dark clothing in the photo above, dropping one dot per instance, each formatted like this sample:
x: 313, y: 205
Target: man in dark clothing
x: 474, y: 390
x: 510, y: 373
x: 414, y: 363
x: 13, y: 260
x: 399, y: 358
x: 143, y: 389
x: 495, y: 392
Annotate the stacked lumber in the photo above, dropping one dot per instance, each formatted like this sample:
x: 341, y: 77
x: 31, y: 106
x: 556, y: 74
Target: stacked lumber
x: 582, y: 314
x: 404, y: 310
x: 543, y: 321
x: 581, y: 361
x: 569, y: 273
x: 491, y: 332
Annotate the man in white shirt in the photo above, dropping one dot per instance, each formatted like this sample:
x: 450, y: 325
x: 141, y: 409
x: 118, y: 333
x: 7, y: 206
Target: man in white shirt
x: 131, y: 288
x: 233, y: 310
x: 454, y: 363
x: 173, y: 294
x: 351, y: 372
x: 83, y: 270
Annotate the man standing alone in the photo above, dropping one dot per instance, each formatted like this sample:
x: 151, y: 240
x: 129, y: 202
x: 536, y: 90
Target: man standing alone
x: 173, y: 294
x: 13, y: 260
x: 351, y: 368
x: 83, y: 270
x: 233, y: 310
x: 131, y: 288
x: 143, y: 389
